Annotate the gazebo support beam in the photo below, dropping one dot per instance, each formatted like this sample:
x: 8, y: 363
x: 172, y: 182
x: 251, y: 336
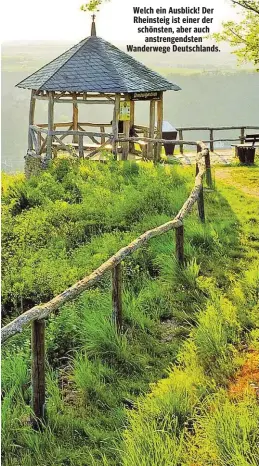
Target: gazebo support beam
x: 31, y: 120
x: 152, y: 120
x: 115, y: 122
x: 75, y: 118
x: 50, y: 123
x: 132, y: 123
x: 126, y: 131
x: 159, y: 127
x: 69, y: 100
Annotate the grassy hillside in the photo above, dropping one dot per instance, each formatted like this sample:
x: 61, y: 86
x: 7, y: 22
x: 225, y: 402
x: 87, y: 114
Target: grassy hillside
x: 61, y: 225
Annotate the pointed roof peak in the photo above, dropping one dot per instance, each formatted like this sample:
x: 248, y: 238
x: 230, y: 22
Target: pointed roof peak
x: 93, y: 27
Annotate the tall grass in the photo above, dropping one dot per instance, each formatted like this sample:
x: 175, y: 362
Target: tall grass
x: 96, y: 378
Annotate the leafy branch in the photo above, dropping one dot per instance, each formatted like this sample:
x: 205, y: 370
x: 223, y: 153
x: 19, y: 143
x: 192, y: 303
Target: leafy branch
x: 243, y: 36
x: 92, y: 5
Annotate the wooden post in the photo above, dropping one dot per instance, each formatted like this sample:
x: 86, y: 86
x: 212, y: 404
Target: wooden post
x: 75, y: 118
x: 200, y: 200
x: 102, y: 130
x: 132, y: 113
x: 132, y: 123
x: 38, y: 370
x: 211, y: 141
x: 179, y: 246
x: 242, y: 136
x: 126, y: 131
x: 50, y: 124
x: 31, y: 120
x: 208, y: 170
x: 152, y: 121
x: 159, y: 127
x: 38, y: 142
x: 145, y: 147
x: 115, y: 123
x: 80, y: 146
x: 117, y: 296
x: 200, y: 203
x: 181, y: 138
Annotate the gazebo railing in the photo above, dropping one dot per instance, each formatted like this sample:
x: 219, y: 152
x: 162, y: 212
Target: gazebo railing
x: 110, y: 143
x: 76, y: 142
x: 40, y: 134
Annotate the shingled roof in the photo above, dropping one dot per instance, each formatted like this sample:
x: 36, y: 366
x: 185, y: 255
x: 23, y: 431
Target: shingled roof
x: 95, y: 65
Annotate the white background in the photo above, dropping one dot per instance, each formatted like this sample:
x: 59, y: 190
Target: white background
x: 63, y: 20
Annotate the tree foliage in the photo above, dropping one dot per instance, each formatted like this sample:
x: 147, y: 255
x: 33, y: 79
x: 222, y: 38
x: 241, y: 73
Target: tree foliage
x: 93, y: 5
x: 243, y: 36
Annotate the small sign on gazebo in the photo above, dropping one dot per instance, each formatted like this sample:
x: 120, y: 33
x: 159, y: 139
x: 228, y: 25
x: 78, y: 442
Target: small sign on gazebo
x: 124, y: 111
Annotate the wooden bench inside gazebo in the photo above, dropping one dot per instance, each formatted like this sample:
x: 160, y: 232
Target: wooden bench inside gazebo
x: 94, y: 72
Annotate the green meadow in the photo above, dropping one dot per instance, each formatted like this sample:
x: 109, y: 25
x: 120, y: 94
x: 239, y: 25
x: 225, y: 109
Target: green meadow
x: 158, y: 393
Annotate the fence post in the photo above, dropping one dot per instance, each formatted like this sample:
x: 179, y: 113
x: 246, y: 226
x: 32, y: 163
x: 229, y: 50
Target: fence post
x: 156, y: 153
x: 145, y: 147
x: 80, y: 146
x: 179, y: 246
x: 208, y: 170
x: 242, y: 136
x: 211, y: 140
x: 117, y: 296
x: 38, y: 370
x: 200, y: 200
x: 181, y: 139
x: 38, y: 143
x: 102, y: 130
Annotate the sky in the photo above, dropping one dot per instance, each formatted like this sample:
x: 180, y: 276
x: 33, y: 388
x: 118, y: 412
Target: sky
x: 62, y: 19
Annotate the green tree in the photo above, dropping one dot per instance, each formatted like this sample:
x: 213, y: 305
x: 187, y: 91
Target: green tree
x: 243, y: 36
x: 93, y: 5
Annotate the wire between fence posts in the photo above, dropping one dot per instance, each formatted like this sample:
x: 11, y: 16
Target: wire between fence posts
x: 38, y: 372
x: 117, y: 296
x: 179, y: 244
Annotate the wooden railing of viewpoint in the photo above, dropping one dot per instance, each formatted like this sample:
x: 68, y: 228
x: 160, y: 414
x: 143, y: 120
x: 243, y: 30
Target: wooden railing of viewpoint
x: 43, y: 140
x: 144, y: 130
x: 39, y: 136
x: 38, y: 314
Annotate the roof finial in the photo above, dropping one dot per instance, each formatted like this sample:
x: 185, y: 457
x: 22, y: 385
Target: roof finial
x: 93, y: 28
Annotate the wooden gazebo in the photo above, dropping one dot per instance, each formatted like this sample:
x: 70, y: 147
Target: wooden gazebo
x: 93, y: 72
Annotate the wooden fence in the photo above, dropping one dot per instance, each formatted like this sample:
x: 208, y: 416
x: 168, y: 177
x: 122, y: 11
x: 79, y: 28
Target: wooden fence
x: 37, y: 315
x: 144, y: 130
x: 39, y: 136
x: 41, y: 139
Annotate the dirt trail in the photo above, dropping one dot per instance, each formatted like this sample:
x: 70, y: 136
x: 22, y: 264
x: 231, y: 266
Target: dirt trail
x: 227, y: 174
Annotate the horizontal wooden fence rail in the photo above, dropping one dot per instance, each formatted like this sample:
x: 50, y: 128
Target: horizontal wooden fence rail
x: 210, y: 129
x: 37, y: 315
x: 150, y: 145
x: 155, y: 140
x: 216, y: 128
x: 40, y: 135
